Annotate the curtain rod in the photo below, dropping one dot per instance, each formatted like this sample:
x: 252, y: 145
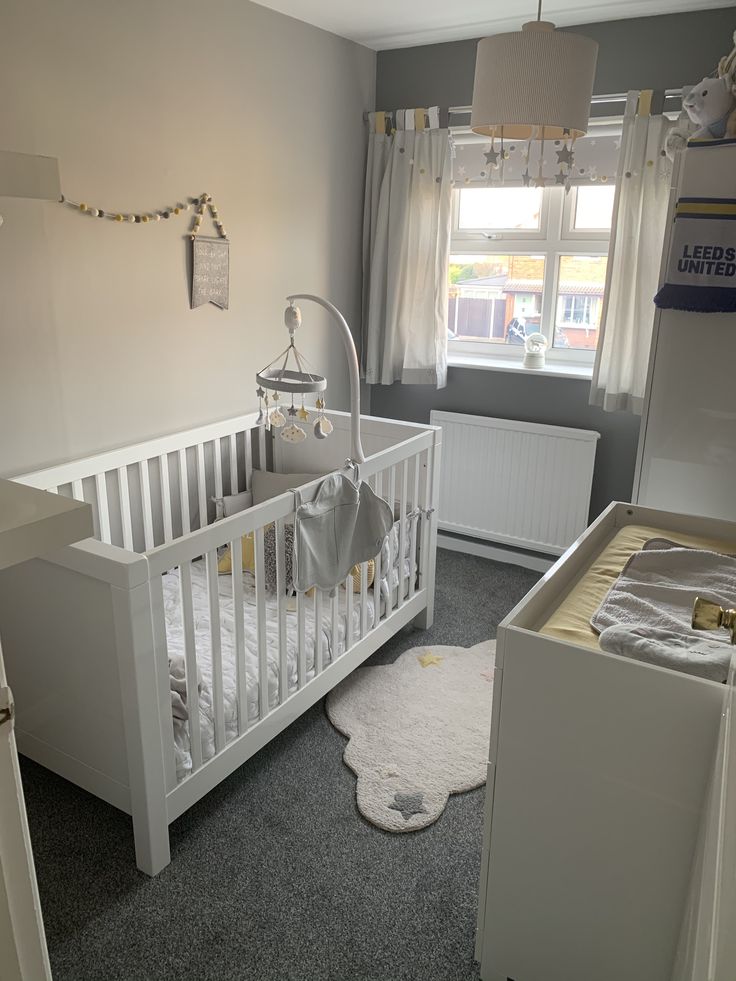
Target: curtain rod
x: 596, y: 100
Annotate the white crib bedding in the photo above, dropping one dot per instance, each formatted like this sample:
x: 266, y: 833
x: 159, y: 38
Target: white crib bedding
x: 200, y: 601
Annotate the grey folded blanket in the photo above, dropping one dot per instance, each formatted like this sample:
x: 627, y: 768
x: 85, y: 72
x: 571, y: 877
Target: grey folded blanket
x: 701, y: 656
x: 647, y: 612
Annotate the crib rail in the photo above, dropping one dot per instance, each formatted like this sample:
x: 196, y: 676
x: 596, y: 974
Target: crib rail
x: 151, y: 493
x: 249, y: 654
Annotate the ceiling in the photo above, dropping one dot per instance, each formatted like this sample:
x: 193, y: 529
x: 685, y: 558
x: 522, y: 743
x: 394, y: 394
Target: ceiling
x: 383, y: 24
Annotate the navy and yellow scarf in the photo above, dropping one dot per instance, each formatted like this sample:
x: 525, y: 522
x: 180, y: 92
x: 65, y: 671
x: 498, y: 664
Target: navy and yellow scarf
x: 701, y: 266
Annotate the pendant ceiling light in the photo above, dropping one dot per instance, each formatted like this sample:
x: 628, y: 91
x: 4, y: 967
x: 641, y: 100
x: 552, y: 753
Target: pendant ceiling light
x: 533, y: 84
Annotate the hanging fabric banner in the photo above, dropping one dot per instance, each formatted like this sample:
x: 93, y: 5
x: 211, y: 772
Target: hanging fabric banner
x: 210, y: 272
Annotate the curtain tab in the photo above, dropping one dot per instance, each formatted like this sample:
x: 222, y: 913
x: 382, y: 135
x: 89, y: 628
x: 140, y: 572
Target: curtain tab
x: 419, y: 122
x: 645, y: 102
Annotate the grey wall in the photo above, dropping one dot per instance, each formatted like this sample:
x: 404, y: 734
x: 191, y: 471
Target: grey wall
x: 644, y: 52
x: 650, y: 52
x: 144, y: 101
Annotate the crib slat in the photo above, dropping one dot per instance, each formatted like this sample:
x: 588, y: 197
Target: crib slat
x: 378, y: 487
x: 103, y: 510
x: 236, y: 552
x: 218, y: 696
x: 161, y: 655
x: 202, y: 486
x: 301, y: 659
x: 190, y: 657
x: 317, y: 630
x: 363, y: 599
x: 186, y: 523
x: 281, y: 607
x: 391, y: 550
x: 248, y: 460
x: 262, y: 448
x: 77, y: 490
x: 218, y: 467
x: 414, y: 523
x: 146, y: 504
x: 335, y: 646
x: 425, y: 526
x: 163, y: 464
x: 261, y: 624
x: 402, y: 530
x: 124, y: 495
x: 233, y: 446
x: 348, y: 613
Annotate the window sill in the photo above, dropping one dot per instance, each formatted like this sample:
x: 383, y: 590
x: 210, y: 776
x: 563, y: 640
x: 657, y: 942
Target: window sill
x: 551, y: 369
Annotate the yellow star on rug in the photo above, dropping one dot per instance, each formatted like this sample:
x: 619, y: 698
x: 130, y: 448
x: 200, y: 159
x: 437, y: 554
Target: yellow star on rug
x: 428, y: 659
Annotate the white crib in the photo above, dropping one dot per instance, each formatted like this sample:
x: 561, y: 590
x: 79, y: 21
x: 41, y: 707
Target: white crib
x: 85, y: 631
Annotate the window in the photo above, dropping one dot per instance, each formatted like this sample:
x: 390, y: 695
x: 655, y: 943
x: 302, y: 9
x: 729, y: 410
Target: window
x: 500, y: 208
x: 527, y: 260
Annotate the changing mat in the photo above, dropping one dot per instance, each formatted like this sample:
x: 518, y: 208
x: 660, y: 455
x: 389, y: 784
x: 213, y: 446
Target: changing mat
x: 571, y: 620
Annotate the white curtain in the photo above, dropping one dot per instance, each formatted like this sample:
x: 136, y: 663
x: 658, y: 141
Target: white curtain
x: 635, y: 256
x: 406, y: 249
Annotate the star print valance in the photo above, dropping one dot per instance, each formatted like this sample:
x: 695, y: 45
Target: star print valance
x: 478, y: 162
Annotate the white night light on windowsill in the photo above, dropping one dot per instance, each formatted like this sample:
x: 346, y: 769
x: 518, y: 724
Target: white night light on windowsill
x: 535, y: 348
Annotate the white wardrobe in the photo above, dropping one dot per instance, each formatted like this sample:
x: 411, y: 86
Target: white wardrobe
x: 687, y: 447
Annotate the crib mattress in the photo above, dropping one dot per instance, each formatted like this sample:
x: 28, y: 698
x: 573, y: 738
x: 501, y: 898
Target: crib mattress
x: 571, y: 619
x: 200, y: 602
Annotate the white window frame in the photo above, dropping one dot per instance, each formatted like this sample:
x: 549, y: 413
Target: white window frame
x: 554, y: 238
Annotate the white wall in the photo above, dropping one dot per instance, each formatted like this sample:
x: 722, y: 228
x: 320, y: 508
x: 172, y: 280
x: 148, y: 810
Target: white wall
x: 144, y: 101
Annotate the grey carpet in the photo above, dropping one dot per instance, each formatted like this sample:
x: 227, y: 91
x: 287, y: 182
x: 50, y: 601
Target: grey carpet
x: 274, y: 875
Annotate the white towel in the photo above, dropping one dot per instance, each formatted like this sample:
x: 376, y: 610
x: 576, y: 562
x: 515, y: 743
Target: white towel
x: 701, y: 655
x: 647, y: 614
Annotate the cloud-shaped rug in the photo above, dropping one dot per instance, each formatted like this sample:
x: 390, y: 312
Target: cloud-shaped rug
x: 418, y: 730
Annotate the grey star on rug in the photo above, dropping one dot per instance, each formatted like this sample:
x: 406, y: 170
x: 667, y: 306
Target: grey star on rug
x: 408, y: 805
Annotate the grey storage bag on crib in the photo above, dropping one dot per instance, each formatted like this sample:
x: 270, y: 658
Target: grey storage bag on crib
x: 345, y: 524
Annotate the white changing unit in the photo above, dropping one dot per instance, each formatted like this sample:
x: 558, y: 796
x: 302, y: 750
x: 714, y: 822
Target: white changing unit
x: 598, y: 777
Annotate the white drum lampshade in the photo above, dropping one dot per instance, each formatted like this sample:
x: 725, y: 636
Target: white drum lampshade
x: 533, y: 84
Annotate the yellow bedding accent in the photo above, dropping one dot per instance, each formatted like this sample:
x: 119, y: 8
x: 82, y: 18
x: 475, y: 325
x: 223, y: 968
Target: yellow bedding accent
x: 571, y: 620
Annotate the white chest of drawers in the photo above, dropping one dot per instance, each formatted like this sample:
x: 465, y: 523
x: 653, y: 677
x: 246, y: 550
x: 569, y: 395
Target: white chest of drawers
x: 598, y: 782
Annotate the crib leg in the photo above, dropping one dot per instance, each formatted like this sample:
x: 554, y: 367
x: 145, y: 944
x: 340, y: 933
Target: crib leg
x: 152, y: 852
x: 425, y: 619
x: 143, y: 731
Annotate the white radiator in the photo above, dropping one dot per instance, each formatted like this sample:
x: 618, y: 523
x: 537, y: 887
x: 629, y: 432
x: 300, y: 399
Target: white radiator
x: 516, y: 483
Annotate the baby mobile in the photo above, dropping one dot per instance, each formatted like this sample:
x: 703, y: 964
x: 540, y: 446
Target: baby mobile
x: 210, y: 256
x: 278, y: 377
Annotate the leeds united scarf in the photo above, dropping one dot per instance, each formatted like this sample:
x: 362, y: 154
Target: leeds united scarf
x: 701, y: 267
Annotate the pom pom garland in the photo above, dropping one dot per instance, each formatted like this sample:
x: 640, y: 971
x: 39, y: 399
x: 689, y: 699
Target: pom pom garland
x: 201, y: 204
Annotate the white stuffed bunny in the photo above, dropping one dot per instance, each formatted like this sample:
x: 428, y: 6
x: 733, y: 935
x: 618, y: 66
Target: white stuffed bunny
x: 710, y: 105
x: 709, y: 110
